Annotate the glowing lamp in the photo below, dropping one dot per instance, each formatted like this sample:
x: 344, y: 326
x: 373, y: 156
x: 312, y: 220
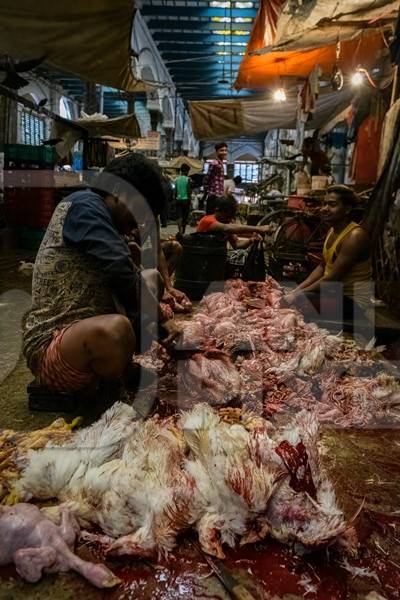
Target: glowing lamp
x: 280, y: 95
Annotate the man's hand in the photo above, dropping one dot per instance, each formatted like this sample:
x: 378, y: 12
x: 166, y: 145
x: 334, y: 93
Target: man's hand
x: 291, y: 297
x: 264, y: 229
x: 177, y: 294
x: 173, y: 331
x: 256, y: 237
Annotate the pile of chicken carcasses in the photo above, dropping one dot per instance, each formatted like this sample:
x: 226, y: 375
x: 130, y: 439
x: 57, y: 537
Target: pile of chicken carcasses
x: 249, y: 351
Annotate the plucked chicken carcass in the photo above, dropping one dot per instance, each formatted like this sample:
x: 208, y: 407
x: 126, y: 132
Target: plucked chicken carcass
x: 358, y: 401
x: 36, y: 545
x: 268, y: 290
x: 221, y: 304
x: 155, y: 359
x: 208, y: 377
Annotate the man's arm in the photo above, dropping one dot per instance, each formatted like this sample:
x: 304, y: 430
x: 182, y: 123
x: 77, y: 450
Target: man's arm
x: 163, y: 266
x: 162, y: 263
x: 88, y: 226
x: 353, y: 249
x: 314, y: 276
x: 233, y: 228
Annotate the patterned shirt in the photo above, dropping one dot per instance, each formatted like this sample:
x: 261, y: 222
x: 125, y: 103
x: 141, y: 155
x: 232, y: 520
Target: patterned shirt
x: 83, y: 269
x: 214, y: 181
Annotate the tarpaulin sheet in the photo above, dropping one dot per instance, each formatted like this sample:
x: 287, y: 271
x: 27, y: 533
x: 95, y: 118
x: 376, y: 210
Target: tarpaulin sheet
x: 194, y: 163
x: 126, y: 126
x: 295, y: 44
x: 90, y: 39
x: 213, y: 119
x: 266, y: 23
x: 261, y: 71
x: 321, y: 23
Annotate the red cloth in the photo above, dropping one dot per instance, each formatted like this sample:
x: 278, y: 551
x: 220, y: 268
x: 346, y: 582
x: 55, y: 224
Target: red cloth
x: 57, y: 373
x: 206, y: 222
x: 364, y: 164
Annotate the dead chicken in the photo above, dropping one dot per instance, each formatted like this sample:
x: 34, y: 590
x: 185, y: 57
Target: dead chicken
x: 48, y: 472
x: 36, y: 545
x: 303, y: 510
x: 232, y: 488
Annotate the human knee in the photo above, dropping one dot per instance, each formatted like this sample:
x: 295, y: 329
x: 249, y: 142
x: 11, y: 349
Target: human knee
x: 177, y: 249
x: 115, y: 332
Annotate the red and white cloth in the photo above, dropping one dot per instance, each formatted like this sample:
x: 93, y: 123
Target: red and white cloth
x: 57, y: 373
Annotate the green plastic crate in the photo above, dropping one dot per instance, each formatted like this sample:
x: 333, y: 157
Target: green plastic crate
x: 30, y: 238
x: 20, y: 153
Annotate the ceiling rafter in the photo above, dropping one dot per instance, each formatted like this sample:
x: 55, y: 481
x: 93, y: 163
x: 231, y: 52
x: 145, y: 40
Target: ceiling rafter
x: 187, y: 30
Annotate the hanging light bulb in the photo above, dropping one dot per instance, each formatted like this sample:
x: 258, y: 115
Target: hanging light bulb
x: 280, y: 95
x: 357, y: 78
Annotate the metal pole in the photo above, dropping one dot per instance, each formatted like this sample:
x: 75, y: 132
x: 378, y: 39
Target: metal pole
x: 395, y: 85
x: 175, y: 121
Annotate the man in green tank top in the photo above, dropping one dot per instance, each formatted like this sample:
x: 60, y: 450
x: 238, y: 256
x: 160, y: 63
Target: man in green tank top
x: 182, y: 195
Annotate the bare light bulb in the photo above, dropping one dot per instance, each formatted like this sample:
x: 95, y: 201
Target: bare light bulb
x: 357, y: 78
x: 280, y: 95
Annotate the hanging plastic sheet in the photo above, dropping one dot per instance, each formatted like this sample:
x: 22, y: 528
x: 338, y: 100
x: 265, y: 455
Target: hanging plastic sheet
x: 91, y: 39
x: 233, y: 118
x: 306, y: 35
x: 126, y: 126
x: 321, y: 23
x: 261, y: 71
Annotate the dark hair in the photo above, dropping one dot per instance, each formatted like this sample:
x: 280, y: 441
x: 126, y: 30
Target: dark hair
x: 220, y: 145
x: 238, y: 179
x: 310, y: 143
x: 346, y: 194
x: 140, y: 172
x: 185, y: 168
x: 325, y: 169
x: 227, y: 204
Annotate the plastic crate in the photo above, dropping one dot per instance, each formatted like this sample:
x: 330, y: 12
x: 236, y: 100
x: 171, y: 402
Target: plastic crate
x: 20, y: 155
x: 30, y: 238
x: 29, y: 207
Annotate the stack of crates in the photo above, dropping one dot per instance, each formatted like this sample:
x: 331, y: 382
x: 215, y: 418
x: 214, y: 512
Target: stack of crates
x: 29, y: 192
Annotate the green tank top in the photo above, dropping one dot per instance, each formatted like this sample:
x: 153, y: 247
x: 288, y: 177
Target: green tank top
x: 181, y: 184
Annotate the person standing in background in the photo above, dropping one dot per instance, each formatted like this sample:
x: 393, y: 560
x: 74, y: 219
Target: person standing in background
x: 314, y: 156
x: 214, y: 180
x: 182, y: 196
x: 232, y: 187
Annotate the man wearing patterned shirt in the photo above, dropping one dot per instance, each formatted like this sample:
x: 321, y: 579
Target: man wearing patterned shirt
x: 214, y: 180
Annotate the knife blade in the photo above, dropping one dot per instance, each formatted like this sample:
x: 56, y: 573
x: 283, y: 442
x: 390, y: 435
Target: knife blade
x: 230, y: 583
